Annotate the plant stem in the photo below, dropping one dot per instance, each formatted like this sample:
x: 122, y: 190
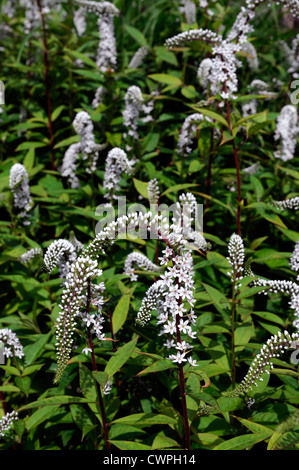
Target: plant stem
x: 236, y: 158
x: 182, y: 384
x: 233, y: 343
x: 94, y: 366
x: 47, y: 84
x: 114, y: 349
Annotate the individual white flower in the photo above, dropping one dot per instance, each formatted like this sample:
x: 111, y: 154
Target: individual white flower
x: 11, y: 343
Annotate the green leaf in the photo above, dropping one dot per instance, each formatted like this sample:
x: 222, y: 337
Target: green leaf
x: 286, y: 440
x: 211, y: 114
x: 270, y: 317
x: 251, y: 291
x: 162, y: 364
x: 56, y: 113
x: 101, y: 377
x: 167, y: 79
x: 52, y: 401
x: 40, y: 416
x: 120, y: 313
x: 32, y: 351
x: 141, y: 187
x: 242, y: 442
x: 255, y: 427
x: 145, y: 419
x: 127, y: 445
x: 87, y: 383
x: 164, y: 442
x: 136, y: 34
x: 216, y: 296
x: 120, y: 357
x: 30, y: 146
x: 79, y: 55
x: 29, y: 160
x: 67, y: 142
x: 243, y: 333
x: 178, y: 187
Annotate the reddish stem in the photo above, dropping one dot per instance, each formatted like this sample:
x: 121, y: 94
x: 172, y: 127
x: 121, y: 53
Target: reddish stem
x: 114, y: 349
x: 237, y: 166
x: 47, y: 84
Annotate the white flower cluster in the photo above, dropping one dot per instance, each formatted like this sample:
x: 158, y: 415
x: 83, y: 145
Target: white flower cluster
x: 32, y: 15
x: 87, y: 147
x: 98, y: 97
x: 26, y: 257
x: 294, y: 260
x: 100, y: 8
x: 107, y: 388
x: 116, y: 163
x: 106, y: 54
x: 236, y: 256
x: 193, y: 35
x: 286, y: 131
x: 73, y: 304
x: 292, y: 55
x: 141, y: 261
x: 262, y: 364
x: 153, y: 191
x: 61, y: 253
x: 251, y: 169
x: 292, y: 203
x: 122, y: 225
x: 188, y: 10
x: 187, y: 212
x: 7, y: 421
x: 257, y: 87
x: 10, y: 341
x: 138, y: 57
x: 133, y: 106
x: 251, y: 55
x: 80, y: 21
x: 292, y: 5
x: 173, y: 297
x: 19, y: 185
x: 289, y: 288
x: 8, y: 8
x: 188, y: 130
x: 221, y: 68
x: 219, y: 72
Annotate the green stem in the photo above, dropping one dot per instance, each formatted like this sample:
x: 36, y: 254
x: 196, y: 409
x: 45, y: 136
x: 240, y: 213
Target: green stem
x: 94, y: 366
